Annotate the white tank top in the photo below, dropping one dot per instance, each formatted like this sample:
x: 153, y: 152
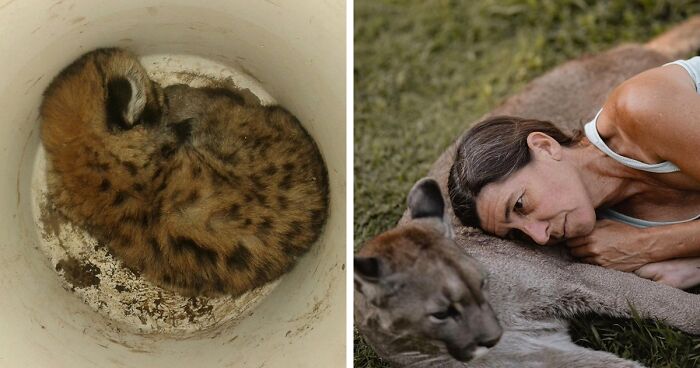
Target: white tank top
x: 692, y: 66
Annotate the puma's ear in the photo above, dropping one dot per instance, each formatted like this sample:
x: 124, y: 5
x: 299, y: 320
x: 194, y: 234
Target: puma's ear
x: 367, y: 268
x: 371, y: 279
x: 425, y: 200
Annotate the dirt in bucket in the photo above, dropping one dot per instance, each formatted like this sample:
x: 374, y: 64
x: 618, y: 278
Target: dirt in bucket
x: 79, y: 274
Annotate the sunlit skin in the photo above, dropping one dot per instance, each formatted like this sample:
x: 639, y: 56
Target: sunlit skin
x: 653, y: 117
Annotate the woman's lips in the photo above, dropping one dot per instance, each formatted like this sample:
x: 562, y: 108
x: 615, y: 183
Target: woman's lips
x: 563, y: 230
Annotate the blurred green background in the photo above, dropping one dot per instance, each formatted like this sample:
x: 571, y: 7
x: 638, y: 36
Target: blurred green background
x: 425, y: 70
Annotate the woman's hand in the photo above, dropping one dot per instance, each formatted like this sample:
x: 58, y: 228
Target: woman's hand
x: 615, y: 245
x: 681, y: 273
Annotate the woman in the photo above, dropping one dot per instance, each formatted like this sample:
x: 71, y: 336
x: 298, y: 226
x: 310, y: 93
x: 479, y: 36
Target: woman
x: 624, y: 195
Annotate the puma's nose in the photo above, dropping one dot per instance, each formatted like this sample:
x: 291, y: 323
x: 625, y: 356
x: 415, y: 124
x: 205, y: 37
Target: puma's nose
x: 490, y: 343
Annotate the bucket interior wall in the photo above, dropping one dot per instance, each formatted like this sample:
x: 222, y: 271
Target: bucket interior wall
x: 296, y: 50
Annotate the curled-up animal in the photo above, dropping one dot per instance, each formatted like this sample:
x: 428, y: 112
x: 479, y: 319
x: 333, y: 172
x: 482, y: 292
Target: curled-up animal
x: 197, y: 189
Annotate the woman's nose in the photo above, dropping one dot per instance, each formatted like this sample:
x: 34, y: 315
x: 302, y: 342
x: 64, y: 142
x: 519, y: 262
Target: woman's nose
x: 538, y: 231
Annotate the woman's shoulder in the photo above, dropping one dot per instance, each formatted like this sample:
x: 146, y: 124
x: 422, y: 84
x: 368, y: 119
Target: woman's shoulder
x: 655, y: 117
x: 639, y: 114
x: 641, y: 101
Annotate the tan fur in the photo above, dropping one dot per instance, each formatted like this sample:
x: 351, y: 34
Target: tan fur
x: 406, y: 246
x: 420, y: 272
x: 198, y: 191
x: 534, y: 289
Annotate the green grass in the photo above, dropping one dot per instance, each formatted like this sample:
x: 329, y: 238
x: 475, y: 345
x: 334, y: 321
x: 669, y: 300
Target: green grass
x: 425, y: 70
x: 649, y: 342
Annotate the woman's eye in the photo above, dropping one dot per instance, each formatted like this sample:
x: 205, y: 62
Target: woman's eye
x: 519, y: 205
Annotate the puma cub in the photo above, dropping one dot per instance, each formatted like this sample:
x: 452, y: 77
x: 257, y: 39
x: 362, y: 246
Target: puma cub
x: 194, y: 188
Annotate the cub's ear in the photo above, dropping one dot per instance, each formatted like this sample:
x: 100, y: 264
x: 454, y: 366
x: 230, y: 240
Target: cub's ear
x: 425, y: 200
x: 126, y: 100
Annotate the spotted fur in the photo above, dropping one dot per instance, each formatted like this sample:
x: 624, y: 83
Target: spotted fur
x: 194, y: 188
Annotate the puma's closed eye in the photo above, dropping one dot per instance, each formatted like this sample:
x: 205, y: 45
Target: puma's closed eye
x: 441, y: 315
x: 451, y: 311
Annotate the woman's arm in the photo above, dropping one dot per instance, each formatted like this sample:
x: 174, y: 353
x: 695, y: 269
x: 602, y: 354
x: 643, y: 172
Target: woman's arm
x: 673, y: 241
x: 623, y: 247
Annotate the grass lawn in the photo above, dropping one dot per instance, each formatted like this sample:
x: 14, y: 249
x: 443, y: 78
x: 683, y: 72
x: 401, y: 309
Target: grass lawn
x: 424, y: 70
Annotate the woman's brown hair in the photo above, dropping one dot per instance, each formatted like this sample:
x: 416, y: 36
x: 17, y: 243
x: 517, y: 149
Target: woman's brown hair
x: 490, y: 151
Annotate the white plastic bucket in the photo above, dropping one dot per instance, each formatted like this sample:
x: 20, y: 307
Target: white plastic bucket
x: 296, y: 51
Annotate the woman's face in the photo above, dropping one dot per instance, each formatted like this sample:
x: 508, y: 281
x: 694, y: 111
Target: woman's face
x: 545, y: 200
